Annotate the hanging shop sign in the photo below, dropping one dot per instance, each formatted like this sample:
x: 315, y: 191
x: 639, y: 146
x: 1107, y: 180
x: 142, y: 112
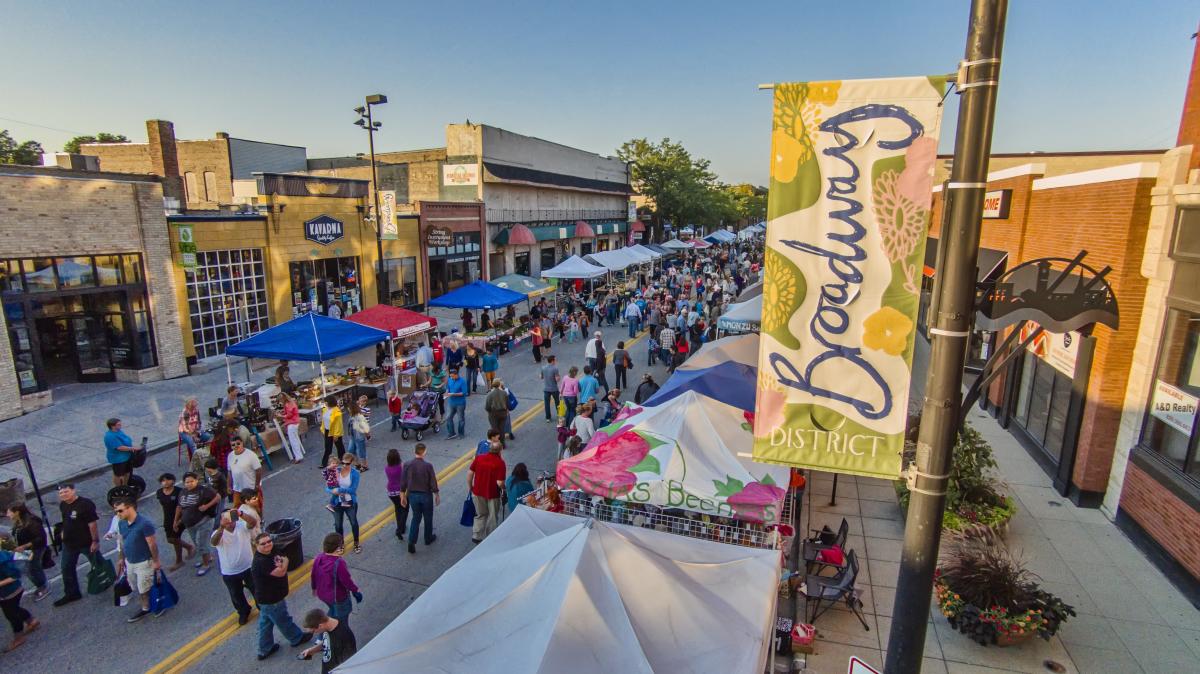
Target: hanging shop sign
x: 851, y: 171
x: 187, y: 246
x: 996, y: 204
x: 387, y: 209
x: 460, y: 175
x: 1059, y: 351
x: 1059, y: 294
x: 632, y: 214
x: 324, y: 230
x: 1174, y: 407
x: 439, y: 237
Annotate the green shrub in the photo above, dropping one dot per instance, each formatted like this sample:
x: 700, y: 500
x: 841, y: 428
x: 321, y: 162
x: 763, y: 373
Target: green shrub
x: 972, y: 493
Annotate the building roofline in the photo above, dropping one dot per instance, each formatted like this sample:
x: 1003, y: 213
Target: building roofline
x: 307, y: 176
x: 1073, y: 153
x: 189, y: 217
x: 70, y: 174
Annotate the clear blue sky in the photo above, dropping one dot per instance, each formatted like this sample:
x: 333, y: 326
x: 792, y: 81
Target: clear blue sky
x: 1077, y: 75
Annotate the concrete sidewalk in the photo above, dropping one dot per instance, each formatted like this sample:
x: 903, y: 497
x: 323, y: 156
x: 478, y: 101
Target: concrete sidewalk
x: 1131, y: 619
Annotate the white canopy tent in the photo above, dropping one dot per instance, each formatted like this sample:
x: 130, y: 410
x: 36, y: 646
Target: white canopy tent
x: 574, y: 267
x: 676, y: 244
x: 548, y: 593
x: 642, y: 249
x: 735, y: 349
x: 742, y: 316
x: 613, y: 260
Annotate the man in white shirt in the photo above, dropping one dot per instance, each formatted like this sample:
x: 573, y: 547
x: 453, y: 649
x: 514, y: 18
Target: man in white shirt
x: 589, y: 350
x: 245, y: 471
x: 232, y: 541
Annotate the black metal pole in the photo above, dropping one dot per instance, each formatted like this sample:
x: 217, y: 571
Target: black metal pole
x: 381, y: 281
x: 978, y: 78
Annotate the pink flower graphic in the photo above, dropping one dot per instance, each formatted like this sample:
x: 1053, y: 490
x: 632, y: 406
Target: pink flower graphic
x: 614, y: 429
x: 753, y: 501
x: 607, y: 469
x: 918, y: 169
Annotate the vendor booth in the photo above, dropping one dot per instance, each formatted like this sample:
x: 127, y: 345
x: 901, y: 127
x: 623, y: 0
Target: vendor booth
x: 742, y: 316
x: 676, y: 244
x: 575, y: 267
x: 730, y: 383
x: 614, y: 260
x: 406, y: 329
x: 690, y: 453
x: 548, y: 593
x: 741, y: 349
x: 520, y: 283
x: 483, y: 295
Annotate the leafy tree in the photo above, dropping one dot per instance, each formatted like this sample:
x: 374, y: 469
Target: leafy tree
x: 72, y: 145
x: 680, y: 185
x: 751, y: 202
x: 27, y: 152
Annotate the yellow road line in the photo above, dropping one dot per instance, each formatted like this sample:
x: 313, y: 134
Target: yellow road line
x: 187, y: 655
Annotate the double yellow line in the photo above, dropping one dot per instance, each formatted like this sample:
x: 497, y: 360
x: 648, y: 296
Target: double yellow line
x: 207, y: 641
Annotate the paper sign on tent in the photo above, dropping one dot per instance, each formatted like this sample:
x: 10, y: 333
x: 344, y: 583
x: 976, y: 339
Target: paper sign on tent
x: 859, y: 667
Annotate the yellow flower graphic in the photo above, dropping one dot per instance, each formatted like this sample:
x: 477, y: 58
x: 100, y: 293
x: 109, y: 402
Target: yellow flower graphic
x: 824, y: 93
x: 797, y: 118
x: 887, y: 330
x: 787, y: 153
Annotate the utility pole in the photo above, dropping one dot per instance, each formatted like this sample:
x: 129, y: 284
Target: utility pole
x: 978, y: 79
x: 365, y: 121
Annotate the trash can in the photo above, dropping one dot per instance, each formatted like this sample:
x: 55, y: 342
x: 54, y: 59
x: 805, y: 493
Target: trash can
x: 286, y: 535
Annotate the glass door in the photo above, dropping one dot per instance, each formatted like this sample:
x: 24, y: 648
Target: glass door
x: 92, y: 356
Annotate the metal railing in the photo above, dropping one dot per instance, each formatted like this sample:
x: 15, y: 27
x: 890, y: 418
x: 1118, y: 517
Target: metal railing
x: 504, y: 215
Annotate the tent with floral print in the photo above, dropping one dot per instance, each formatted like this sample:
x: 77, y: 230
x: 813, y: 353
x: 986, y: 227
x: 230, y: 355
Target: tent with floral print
x: 548, y: 593
x: 688, y: 453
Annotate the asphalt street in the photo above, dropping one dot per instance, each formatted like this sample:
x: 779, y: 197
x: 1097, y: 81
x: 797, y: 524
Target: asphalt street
x: 201, y: 635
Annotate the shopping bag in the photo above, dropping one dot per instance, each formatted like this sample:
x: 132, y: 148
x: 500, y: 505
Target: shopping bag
x: 162, y: 594
x: 562, y: 408
x: 468, y: 513
x: 512, y: 401
x: 122, y: 592
x: 101, y: 576
x: 480, y: 380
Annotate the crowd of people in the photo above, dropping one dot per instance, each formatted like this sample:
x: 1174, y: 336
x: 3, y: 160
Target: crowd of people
x: 214, y: 514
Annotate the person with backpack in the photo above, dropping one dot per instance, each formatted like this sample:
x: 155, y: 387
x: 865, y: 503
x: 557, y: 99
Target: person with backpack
x: 11, y: 591
x: 496, y: 406
x: 330, y: 579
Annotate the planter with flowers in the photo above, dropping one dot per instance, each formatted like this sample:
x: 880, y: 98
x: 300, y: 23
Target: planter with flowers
x: 990, y: 597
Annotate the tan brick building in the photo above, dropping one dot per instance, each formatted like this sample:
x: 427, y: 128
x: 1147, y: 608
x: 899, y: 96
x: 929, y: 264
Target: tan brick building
x: 87, y: 283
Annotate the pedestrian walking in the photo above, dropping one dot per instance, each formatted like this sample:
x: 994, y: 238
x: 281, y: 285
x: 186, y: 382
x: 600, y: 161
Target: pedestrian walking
x: 645, y: 390
x: 496, y: 406
x: 137, y: 555
x: 456, y: 395
x: 197, y: 512
x: 245, y: 471
x: 437, y: 383
x: 330, y: 579
x: 291, y: 425
x: 395, y: 408
x: 633, y: 317
x: 622, y: 363
x: 569, y: 389
x: 360, y: 432
x: 251, y: 511
x: 335, y: 641
x: 471, y: 363
x: 485, y: 478
x: 119, y: 449
x: 582, y: 425
x: 537, y: 338
x: 491, y: 364
x: 395, y: 479
x: 235, y: 553
x: 419, y: 493
x: 21, y: 621
x: 80, y: 536
x: 591, y: 348
x: 517, y: 485
x: 29, y: 534
x: 589, y: 386
x: 549, y: 376
x: 332, y: 428
x: 346, y: 493
x: 167, y: 496
x: 269, y: 572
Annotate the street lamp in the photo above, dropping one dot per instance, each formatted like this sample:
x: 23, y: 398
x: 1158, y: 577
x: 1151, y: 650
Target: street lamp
x: 364, y: 121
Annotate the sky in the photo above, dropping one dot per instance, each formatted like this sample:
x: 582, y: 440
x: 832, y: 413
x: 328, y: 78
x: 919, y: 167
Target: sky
x: 1077, y: 75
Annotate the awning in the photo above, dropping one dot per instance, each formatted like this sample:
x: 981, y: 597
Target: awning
x: 659, y: 249
x: 991, y: 262
x: 311, y: 337
x: 520, y: 235
x: 700, y: 243
x: 478, y: 295
x: 614, y: 260
x: 396, y: 321
x: 676, y: 244
x: 637, y: 226
x: 517, y: 234
x: 583, y: 229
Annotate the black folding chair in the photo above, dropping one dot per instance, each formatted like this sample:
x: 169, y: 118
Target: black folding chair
x: 813, y: 547
x: 822, y: 592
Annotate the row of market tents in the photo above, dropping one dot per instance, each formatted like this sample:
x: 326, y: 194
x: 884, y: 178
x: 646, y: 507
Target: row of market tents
x: 550, y: 592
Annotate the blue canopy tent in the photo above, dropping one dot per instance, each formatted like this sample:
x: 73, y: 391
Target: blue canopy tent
x: 731, y: 383
x: 478, y: 295
x: 311, y: 337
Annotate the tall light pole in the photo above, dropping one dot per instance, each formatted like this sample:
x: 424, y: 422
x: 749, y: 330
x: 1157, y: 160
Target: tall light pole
x: 978, y: 78
x: 365, y: 121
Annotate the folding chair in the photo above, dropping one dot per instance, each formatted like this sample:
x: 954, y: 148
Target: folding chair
x: 822, y: 592
x: 813, y: 547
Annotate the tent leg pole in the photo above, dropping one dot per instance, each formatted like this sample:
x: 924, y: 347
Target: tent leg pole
x: 228, y: 372
x: 395, y: 366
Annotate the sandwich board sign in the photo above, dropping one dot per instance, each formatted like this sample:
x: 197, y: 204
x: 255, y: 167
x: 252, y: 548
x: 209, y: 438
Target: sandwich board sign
x: 859, y: 667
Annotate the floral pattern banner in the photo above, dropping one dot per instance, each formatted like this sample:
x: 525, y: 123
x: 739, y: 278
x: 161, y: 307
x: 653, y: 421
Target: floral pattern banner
x: 851, y: 175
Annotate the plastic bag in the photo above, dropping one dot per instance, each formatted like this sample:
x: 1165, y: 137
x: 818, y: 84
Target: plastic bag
x: 480, y: 380
x: 468, y: 512
x: 562, y: 408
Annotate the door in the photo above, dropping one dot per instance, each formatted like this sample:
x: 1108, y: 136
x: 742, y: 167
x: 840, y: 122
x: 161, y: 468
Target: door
x: 92, y: 360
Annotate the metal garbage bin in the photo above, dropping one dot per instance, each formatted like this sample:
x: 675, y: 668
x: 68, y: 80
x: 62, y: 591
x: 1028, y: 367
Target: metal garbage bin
x: 286, y: 535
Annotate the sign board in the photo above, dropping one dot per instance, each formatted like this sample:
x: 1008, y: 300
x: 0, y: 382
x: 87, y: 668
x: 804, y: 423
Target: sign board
x: 1174, y: 407
x: 324, y: 230
x: 859, y: 667
x: 1060, y: 294
x: 632, y: 211
x: 849, y: 207
x: 996, y: 204
x: 439, y: 237
x: 387, y: 221
x: 187, y: 246
x: 1059, y: 351
x: 460, y: 175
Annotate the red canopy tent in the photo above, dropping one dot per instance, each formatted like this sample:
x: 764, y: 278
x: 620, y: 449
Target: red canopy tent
x: 397, y: 322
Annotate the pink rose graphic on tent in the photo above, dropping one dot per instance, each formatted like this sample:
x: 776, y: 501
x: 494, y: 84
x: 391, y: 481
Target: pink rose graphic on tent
x: 754, y: 502
x: 614, y: 428
x: 609, y: 468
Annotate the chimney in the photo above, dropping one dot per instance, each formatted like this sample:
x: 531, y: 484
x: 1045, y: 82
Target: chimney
x: 1189, y: 125
x: 164, y: 157
x: 221, y: 135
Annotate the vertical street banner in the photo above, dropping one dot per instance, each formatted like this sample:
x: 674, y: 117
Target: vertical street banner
x: 387, y: 206
x: 851, y: 174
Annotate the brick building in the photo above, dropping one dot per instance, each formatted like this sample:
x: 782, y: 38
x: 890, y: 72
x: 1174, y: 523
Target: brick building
x: 86, y: 282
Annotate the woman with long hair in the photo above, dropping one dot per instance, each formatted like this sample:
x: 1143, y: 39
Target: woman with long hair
x: 360, y: 431
x: 517, y: 485
x: 395, y: 474
x: 30, y: 534
x: 291, y: 425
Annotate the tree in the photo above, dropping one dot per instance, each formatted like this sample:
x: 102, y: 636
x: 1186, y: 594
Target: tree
x: 679, y: 185
x: 28, y: 152
x: 751, y: 202
x: 72, y: 145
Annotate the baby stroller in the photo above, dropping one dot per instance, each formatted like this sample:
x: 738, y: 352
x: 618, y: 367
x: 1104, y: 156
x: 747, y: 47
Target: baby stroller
x: 426, y: 403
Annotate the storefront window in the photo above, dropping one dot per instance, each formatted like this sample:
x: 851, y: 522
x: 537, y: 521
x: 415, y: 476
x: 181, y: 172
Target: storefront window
x: 317, y: 284
x: 10, y: 277
x: 108, y: 270
x: 402, y: 281
x: 585, y: 248
x: 227, y: 299
x: 548, y: 257
x: 1170, y: 429
x: 521, y: 263
x: 39, y: 275
x: 131, y: 265
x: 22, y: 346
x: 75, y: 272
x: 602, y: 244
